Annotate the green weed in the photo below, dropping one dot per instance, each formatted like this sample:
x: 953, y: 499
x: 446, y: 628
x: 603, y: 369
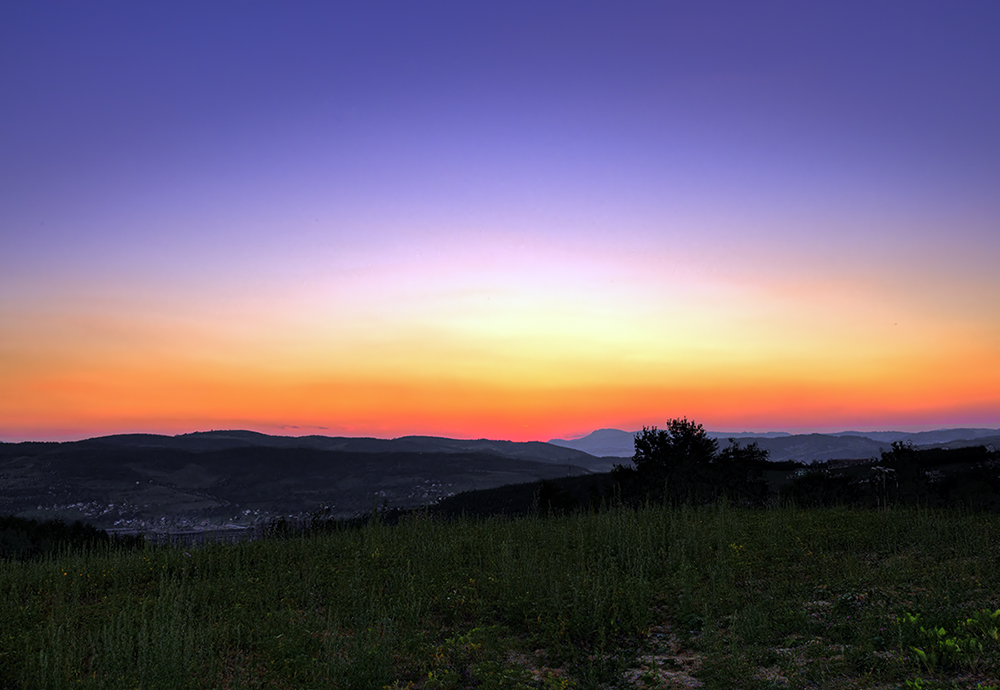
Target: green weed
x: 620, y: 598
x: 971, y: 641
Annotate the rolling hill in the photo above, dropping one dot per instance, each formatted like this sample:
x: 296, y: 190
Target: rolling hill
x: 204, y: 480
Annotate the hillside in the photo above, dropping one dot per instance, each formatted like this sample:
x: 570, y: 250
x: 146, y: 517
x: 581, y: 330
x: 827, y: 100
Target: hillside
x: 210, y: 479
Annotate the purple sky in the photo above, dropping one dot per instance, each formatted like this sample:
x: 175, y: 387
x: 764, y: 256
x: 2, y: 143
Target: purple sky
x: 482, y: 202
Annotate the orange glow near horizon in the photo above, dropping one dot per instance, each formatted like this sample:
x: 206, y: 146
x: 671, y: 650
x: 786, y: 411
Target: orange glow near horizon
x: 526, y: 355
x: 478, y: 384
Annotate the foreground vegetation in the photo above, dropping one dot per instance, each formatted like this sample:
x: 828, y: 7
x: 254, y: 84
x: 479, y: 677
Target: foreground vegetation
x: 652, y: 596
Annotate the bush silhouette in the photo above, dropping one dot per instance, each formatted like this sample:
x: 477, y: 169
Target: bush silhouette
x: 682, y: 463
x: 22, y: 539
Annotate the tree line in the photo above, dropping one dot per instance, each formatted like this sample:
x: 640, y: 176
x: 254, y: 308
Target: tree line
x: 681, y: 463
x: 25, y: 539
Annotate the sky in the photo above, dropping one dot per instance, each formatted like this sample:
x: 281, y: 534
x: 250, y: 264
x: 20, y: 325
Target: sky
x: 517, y: 220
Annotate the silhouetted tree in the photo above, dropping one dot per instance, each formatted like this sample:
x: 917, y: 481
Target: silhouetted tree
x: 977, y: 488
x: 738, y: 471
x: 674, y: 461
x: 820, y: 486
x: 23, y: 539
x: 681, y: 462
x: 554, y: 499
x: 911, y: 484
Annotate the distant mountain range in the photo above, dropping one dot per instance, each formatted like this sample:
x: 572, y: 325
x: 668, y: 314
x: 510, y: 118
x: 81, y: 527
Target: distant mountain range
x: 208, y: 480
x: 844, y: 445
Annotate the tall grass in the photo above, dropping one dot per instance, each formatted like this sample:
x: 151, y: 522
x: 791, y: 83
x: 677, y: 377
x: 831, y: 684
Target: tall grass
x: 538, y: 602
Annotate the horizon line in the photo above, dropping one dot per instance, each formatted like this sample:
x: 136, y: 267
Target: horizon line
x: 312, y: 431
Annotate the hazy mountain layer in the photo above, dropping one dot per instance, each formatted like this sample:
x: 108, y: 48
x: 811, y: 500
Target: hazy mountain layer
x: 800, y: 447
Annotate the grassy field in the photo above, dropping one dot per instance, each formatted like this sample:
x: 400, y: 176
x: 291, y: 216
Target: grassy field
x: 651, y: 598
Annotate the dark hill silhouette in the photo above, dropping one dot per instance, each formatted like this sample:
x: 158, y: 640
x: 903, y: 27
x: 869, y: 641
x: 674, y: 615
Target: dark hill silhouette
x: 213, y: 478
x: 219, y: 440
